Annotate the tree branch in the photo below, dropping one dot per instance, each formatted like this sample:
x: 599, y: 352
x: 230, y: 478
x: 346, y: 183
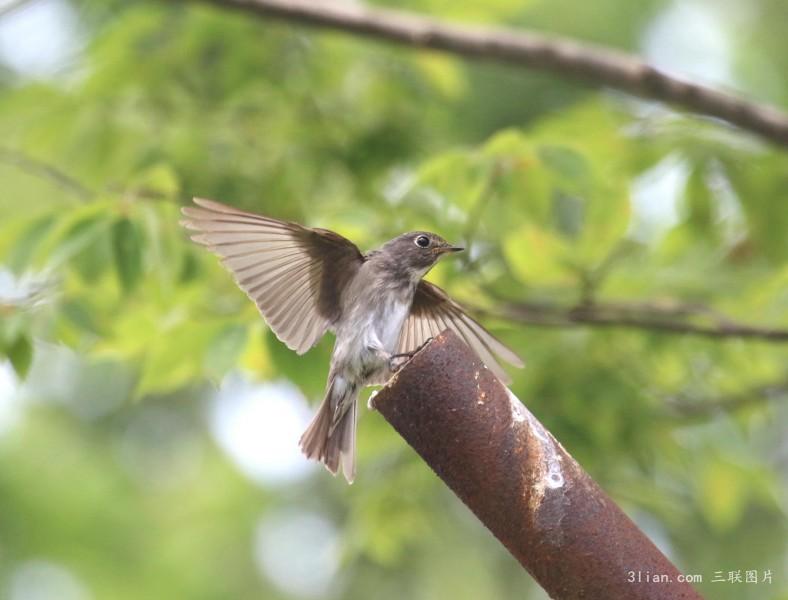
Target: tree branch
x: 685, y: 405
x: 41, y: 169
x: 562, y: 56
x: 669, y: 318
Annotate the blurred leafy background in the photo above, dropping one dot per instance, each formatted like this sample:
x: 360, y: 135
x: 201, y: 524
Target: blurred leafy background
x: 148, y: 418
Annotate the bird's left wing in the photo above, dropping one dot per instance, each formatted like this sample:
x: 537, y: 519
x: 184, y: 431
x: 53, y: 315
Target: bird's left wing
x: 295, y: 275
x: 433, y: 311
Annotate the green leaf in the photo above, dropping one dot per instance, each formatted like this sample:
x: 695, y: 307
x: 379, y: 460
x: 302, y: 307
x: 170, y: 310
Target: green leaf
x: 538, y: 256
x: 445, y: 74
x: 568, y: 214
x: 455, y: 175
x: 699, y: 202
x: 77, y: 237
x: 20, y: 353
x: 189, y: 269
x: 761, y: 185
x: 308, y: 371
x: 80, y: 314
x: 127, y: 250
x: 722, y: 493
x: 95, y: 258
x: 225, y: 349
x: 23, y: 251
x: 571, y: 166
x: 175, y: 360
x: 159, y: 180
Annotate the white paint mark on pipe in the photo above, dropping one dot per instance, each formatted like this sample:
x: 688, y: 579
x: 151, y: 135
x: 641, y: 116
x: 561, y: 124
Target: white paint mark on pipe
x: 551, y: 475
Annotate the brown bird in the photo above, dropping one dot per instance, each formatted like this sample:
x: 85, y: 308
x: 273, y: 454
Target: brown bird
x: 306, y: 281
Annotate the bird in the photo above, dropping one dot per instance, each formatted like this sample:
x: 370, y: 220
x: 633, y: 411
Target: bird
x: 307, y: 281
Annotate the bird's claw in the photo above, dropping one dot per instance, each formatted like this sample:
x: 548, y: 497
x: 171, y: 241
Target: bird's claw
x: 420, y: 348
x: 397, y: 361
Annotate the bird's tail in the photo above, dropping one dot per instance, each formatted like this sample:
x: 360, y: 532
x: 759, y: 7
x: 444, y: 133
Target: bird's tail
x: 331, y: 436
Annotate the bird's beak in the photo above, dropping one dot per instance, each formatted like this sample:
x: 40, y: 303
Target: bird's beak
x: 449, y: 248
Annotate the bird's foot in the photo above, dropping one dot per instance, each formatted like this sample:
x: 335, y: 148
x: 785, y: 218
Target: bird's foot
x: 397, y: 361
x: 420, y: 348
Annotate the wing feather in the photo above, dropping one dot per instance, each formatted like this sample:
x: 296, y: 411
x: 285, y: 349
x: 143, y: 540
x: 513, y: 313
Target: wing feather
x: 433, y: 311
x: 295, y: 275
x: 265, y: 273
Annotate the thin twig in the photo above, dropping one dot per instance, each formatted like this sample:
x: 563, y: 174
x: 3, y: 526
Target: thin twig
x: 44, y: 170
x: 685, y: 405
x: 669, y: 318
x: 563, y: 56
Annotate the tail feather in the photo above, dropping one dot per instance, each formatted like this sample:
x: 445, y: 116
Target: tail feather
x: 313, y: 440
x: 347, y: 446
x: 331, y: 436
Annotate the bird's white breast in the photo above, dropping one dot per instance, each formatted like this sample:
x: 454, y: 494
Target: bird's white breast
x: 374, y: 327
x: 392, y: 315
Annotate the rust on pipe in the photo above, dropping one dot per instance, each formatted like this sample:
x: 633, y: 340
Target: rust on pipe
x: 520, y: 482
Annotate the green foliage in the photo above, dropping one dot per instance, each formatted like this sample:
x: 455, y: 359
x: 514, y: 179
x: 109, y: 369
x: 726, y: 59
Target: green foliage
x: 127, y: 252
x: 542, y: 181
x: 20, y: 353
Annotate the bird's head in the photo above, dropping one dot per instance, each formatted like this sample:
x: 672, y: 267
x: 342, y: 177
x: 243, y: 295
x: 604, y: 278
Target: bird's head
x: 416, y: 252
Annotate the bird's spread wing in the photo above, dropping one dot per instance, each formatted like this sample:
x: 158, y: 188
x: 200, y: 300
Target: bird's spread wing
x: 294, y: 274
x: 433, y: 311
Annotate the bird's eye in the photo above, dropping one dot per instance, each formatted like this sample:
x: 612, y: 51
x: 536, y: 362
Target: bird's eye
x: 422, y: 241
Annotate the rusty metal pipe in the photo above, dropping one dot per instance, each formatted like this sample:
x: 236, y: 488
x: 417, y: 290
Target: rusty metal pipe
x: 520, y: 482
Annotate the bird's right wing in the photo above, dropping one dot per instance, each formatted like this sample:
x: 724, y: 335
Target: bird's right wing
x: 294, y: 274
x: 433, y: 311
